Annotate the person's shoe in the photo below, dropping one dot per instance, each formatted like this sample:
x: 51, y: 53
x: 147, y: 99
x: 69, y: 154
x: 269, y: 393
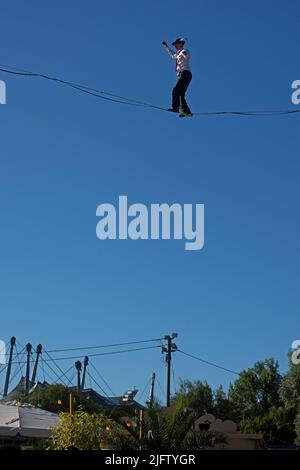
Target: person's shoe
x: 185, y: 114
x: 173, y: 110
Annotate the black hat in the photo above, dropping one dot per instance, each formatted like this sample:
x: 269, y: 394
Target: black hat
x: 182, y: 40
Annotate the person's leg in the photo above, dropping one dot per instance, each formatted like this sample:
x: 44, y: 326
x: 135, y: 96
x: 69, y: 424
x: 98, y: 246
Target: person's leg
x: 186, y: 78
x: 176, y: 95
x: 184, y: 106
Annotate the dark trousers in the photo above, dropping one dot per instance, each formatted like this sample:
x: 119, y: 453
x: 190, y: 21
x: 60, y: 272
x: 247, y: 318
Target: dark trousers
x: 179, y: 91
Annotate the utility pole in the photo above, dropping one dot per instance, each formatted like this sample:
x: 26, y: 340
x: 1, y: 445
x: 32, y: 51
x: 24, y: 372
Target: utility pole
x: 7, y: 378
x: 141, y: 430
x: 27, y: 383
x: 71, y: 407
x: 171, y: 347
x: 151, y: 398
x: 38, y: 353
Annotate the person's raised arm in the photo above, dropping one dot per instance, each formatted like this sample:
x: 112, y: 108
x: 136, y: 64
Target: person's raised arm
x: 169, y: 50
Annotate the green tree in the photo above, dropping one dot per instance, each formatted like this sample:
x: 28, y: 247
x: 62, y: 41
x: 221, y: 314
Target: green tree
x: 222, y: 406
x: 196, y: 395
x: 276, y: 426
x: 290, y: 387
x: 290, y: 395
x: 82, y: 430
x: 256, y: 391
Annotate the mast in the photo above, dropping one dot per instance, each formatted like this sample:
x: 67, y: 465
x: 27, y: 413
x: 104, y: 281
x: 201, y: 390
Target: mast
x: 85, y: 364
x: 151, y: 399
x: 78, y: 368
x: 27, y: 382
x: 7, y: 378
x: 38, y: 353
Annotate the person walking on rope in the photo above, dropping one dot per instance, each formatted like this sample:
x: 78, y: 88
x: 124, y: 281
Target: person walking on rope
x: 184, y: 76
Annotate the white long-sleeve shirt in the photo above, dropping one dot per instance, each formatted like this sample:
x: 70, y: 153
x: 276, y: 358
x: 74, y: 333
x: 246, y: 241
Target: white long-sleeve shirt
x: 182, y: 58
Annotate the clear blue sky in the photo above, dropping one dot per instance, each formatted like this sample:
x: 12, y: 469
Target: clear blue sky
x: 63, y: 153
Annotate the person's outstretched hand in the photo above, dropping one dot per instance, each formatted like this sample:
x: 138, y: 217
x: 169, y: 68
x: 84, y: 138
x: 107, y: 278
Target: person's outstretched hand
x: 164, y: 43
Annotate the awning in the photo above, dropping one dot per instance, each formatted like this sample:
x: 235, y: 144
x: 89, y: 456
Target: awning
x: 25, y: 420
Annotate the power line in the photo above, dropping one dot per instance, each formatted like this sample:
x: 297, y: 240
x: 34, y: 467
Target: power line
x: 85, y: 348
x: 208, y: 362
x: 96, y: 354
x: 133, y: 102
x: 128, y: 343
x: 108, y: 353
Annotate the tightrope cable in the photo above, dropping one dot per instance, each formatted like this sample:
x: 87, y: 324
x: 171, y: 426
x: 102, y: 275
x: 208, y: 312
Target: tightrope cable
x: 104, y: 95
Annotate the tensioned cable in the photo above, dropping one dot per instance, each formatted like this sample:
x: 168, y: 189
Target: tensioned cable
x: 97, y: 354
x: 83, y: 88
x: 48, y: 365
x: 73, y: 377
x: 46, y: 374
x: 90, y: 382
x: 98, y: 385
x: 141, y: 394
x: 43, y: 370
x: 3, y: 353
x: 160, y: 386
x: 267, y: 112
x: 133, y: 102
x: 54, y: 372
x: 173, y: 374
x: 18, y: 368
x: 13, y: 376
x: 2, y: 389
x: 52, y: 360
x: 128, y: 343
x: 59, y: 368
x: 208, y: 362
x: 83, y: 348
x: 67, y: 371
x: 34, y: 74
x: 102, y: 378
